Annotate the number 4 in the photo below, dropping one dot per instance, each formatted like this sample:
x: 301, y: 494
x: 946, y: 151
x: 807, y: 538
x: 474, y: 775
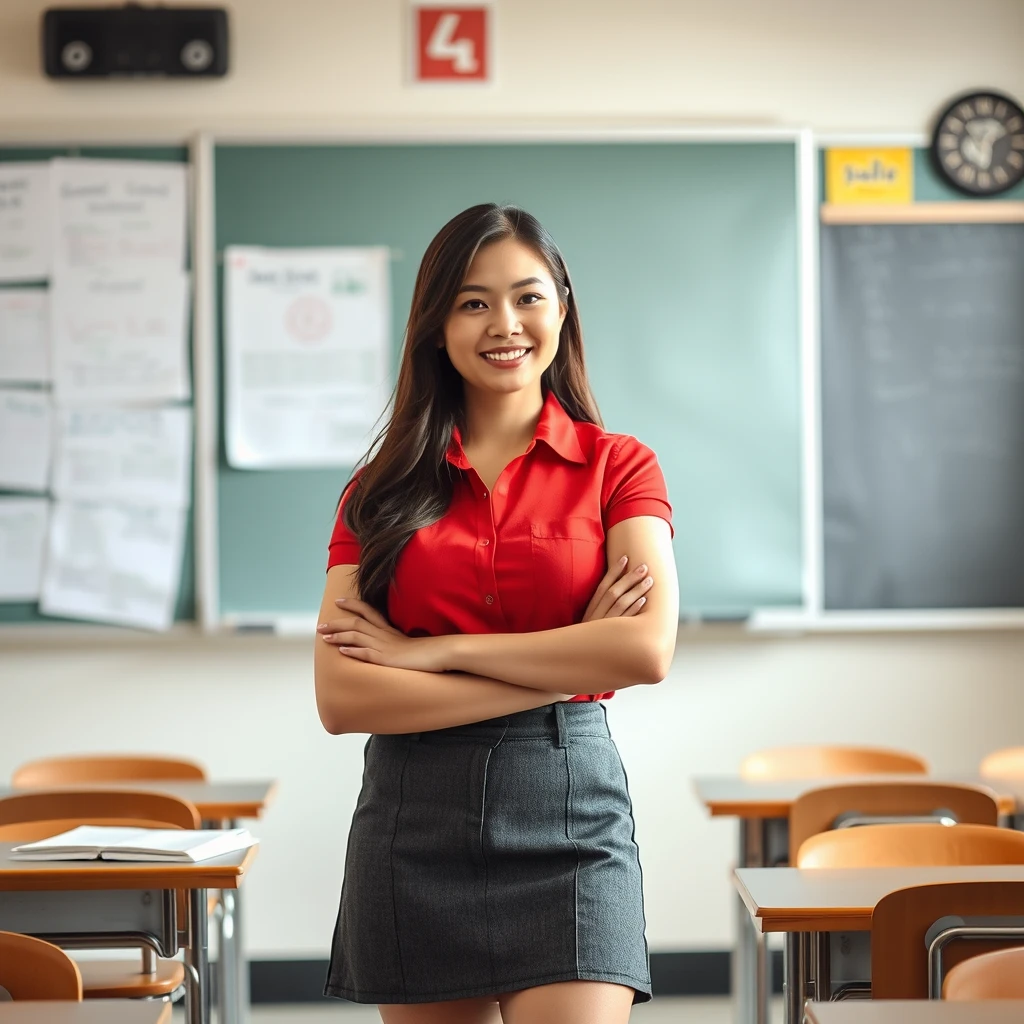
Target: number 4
x: 444, y: 46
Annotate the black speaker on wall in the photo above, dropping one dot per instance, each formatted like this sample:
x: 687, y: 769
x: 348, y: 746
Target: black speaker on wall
x: 102, y: 42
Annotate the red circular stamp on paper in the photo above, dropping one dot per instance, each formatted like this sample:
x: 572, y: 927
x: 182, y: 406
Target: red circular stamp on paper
x: 309, y: 319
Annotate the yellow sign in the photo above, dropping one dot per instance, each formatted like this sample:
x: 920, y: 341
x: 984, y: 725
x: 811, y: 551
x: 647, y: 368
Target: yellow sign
x: 869, y: 176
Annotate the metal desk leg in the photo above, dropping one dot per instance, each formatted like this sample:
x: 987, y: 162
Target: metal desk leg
x: 795, y: 956
x: 750, y: 959
x: 197, y: 960
x: 227, y: 967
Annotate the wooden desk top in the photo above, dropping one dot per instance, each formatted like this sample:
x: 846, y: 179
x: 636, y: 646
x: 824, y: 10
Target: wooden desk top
x: 214, y: 799
x: 811, y: 900
x: 915, y: 1011
x: 93, y: 1011
x: 217, y: 873
x: 731, y: 796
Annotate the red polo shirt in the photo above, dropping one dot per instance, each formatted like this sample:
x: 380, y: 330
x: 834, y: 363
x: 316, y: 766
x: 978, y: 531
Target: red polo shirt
x: 530, y: 555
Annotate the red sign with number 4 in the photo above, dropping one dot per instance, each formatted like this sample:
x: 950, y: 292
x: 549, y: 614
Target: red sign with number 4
x: 451, y: 44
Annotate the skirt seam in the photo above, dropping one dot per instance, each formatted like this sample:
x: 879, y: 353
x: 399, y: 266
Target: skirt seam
x: 391, y: 867
x: 570, y: 835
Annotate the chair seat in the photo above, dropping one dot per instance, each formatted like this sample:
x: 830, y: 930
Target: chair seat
x: 122, y: 979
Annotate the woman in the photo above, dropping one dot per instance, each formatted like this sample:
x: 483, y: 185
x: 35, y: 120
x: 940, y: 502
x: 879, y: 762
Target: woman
x: 491, y: 871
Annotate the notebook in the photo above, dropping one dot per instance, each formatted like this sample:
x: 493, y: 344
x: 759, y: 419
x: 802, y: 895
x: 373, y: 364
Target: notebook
x: 103, y: 842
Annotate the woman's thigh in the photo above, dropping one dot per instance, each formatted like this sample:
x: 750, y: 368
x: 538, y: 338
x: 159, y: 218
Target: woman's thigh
x: 457, y: 1011
x: 568, y: 1002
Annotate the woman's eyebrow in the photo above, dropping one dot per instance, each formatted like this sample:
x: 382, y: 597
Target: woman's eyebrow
x: 519, y: 284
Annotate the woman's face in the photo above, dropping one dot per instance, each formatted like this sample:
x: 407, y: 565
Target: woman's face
x: 502, y: 332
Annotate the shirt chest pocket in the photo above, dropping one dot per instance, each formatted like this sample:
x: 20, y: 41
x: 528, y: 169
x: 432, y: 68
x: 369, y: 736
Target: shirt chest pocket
x: 568, y: 563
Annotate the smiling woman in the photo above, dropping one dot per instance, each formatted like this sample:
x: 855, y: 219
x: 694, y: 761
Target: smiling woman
x: 479, y: 562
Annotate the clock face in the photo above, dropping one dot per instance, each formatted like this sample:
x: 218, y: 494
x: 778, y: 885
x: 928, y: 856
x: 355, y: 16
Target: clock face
x: 978, y: 145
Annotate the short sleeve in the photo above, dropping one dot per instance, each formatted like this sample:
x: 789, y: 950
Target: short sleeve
x: 634, y: 485
x: 344, y: 549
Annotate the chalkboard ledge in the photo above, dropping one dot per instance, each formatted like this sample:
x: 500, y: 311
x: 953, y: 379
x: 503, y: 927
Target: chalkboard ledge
x: 789, y: 621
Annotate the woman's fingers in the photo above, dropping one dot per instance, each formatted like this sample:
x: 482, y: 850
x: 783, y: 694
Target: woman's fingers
x: 613, y: 573
x: 624, y: 592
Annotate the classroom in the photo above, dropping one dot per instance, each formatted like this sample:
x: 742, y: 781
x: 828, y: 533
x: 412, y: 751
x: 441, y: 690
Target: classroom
x: 796, y: 290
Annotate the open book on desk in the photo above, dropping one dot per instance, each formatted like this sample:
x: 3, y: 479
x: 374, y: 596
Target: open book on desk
x: 169, y: 845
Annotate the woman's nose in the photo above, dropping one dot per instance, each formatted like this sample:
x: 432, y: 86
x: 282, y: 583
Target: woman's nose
x: 504, y: 323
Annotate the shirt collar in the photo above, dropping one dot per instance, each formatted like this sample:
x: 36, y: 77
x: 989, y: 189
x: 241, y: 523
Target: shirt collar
x: 555, y: 429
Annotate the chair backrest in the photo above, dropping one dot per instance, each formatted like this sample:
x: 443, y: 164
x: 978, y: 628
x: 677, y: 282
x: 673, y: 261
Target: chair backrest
x: 995, y: 975
x: 1007, y: 763
x: 92, y: 805
x: 64, y: 771
x: 819, y: 762
x: 891, y: 846
x: 817, y: 810
x: 33, y: 969
x: 900, y: 921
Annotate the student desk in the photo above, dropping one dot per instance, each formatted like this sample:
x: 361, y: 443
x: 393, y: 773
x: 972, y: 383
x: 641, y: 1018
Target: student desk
x: 95, y: 1011
x: 811, y: 906
x: 763, y: 811
x: 221, y: 805
x: 913, y: 1011
x: 88, y: 903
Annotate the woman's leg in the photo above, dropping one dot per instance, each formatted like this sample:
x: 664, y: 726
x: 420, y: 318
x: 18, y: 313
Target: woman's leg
x: 568, y: 1002
x: 457, y: 1011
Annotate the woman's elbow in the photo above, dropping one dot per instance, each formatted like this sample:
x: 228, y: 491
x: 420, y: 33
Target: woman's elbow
x: 658, y: 662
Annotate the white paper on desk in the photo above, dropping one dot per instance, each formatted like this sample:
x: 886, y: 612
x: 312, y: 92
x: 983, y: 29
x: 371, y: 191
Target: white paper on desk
x: 116, y: 563
x: 104, y: 454
x: 24, y: 335
x: 26, y: 439
x: 23, y: 523
x: 119, y: 336
x: 307, y: 354
x: 109, y: 212
x: 24, y: 221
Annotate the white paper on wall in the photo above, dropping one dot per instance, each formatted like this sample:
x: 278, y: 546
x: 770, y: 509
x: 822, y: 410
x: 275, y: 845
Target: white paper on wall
x: 115, y: 563
x: 140, y: 455
x: 24, y: 335
x: 24, y: 221
x: 307, y: 354
x: 110, y: 212
x: 26, y: 435
x: 119, y: 336
x: 23, y: 523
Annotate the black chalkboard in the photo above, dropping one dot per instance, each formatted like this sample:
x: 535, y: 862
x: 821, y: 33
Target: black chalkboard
x: 922, y: 345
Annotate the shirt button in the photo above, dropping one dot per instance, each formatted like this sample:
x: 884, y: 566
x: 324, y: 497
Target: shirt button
x: 485, y: 494
x: 489, y: 599
x: 484, y: 543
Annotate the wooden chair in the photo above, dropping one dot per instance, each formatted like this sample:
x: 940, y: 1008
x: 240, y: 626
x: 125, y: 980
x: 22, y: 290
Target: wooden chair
x: 847, y: 804
x: 85, y: 768
x: 890, y: 846
x: 995, y: 975
x: 33, y: 969
x: 1007, y: 763
x: 36, y: 814
x: 911, y: 947
x: 818, y: 762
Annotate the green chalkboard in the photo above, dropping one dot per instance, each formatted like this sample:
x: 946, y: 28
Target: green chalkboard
x: 23, y: 612
x: 684, y: 257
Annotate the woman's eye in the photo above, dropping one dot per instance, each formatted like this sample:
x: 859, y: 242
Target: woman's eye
x: 473, y: 304
x: 531, y: 295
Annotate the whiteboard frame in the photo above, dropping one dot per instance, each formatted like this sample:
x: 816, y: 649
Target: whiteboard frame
x: 802, y: 138
x: 813, y: 617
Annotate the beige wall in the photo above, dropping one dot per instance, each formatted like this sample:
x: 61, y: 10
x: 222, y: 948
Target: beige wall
x: 245, y: 706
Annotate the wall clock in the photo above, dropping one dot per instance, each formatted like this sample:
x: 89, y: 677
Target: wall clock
x: 978, y: 143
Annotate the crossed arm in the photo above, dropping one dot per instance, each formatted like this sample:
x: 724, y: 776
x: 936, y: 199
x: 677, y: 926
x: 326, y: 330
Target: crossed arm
x: 372, y: 678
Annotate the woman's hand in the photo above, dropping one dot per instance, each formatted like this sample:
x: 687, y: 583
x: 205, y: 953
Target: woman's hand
x: 620, y: 593
x: 363, y: 634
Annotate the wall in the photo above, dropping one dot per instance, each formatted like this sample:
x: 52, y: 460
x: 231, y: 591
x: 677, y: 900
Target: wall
x: 245, y: 705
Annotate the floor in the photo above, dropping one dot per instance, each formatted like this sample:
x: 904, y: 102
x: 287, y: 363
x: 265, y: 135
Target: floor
x: 667, y: 1010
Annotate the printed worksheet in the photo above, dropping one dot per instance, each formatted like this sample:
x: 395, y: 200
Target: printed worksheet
x: 26, y: 439
x: 23, y: 523
x: 24, y: 221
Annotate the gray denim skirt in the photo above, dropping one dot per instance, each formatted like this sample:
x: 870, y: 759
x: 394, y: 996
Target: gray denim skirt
x: 490, y: 858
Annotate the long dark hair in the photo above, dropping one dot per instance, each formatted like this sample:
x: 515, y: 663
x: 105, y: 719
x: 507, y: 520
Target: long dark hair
x: 408, y: 483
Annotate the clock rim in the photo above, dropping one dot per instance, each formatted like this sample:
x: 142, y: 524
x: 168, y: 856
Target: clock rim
x: 933, y: 147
